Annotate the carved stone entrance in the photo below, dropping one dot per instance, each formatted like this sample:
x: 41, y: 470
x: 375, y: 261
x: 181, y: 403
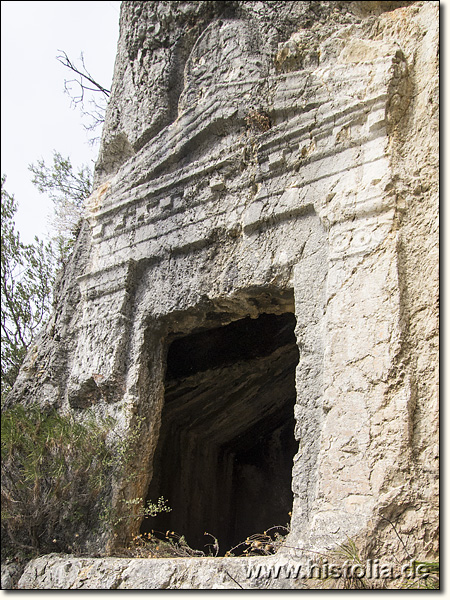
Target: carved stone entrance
x: 226, y: 446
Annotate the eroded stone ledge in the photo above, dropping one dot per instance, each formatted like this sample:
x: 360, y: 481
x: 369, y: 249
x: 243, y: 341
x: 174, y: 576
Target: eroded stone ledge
x: 53, y: 572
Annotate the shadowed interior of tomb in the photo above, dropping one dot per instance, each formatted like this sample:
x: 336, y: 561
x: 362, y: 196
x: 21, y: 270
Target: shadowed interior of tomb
x: 224, y: 456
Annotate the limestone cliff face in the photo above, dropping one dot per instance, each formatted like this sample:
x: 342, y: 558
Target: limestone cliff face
x: 278, y: 161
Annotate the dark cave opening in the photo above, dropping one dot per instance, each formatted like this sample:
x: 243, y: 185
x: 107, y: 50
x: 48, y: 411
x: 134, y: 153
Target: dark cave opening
x: 224, y: 456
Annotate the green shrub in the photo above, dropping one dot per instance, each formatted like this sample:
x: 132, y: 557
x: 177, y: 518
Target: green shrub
x: 55, y: 478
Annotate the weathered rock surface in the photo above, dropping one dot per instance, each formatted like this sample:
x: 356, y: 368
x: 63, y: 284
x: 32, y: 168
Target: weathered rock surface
x: 67, y: 572
x: 10, y: 575
x: 264, y: 158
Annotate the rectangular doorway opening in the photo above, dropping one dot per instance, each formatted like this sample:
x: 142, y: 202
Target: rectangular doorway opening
x: 225, y: 451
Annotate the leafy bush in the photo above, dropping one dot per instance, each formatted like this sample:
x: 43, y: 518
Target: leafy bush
x: 55, y: 473
x: 27, y: 276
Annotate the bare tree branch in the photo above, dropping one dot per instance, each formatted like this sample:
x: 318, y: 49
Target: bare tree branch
x: 83, y: 76
x: 85, y: 92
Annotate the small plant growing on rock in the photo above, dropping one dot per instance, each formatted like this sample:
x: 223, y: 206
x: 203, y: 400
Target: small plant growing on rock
x: 348, y: 551
x: 428, y: 579
x: 149, y: 509
x: 156, y: 544
x: 261, y: 544
x: 258, y: 120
